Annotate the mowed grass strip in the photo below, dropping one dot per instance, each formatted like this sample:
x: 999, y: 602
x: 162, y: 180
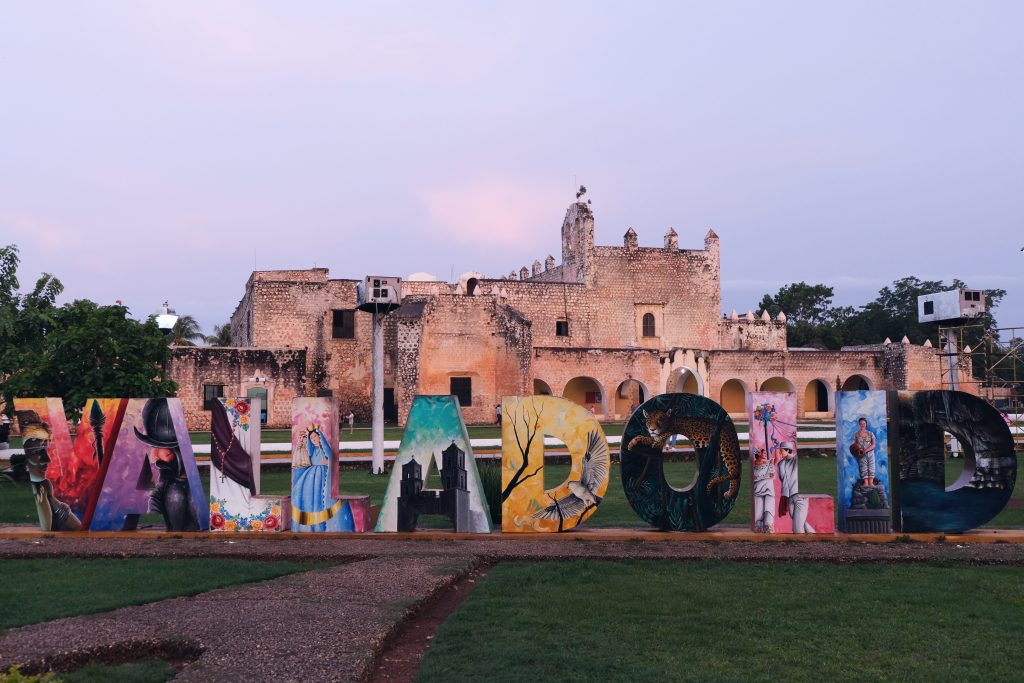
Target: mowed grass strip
x: 37, y: 590
x: 817, y: 475
x: 721, y: 621
x: 149, y: 671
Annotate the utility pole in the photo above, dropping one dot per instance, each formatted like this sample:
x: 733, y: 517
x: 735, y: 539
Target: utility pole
x: 953, y: 367
x: 377, y: 396
x: 378, y: 295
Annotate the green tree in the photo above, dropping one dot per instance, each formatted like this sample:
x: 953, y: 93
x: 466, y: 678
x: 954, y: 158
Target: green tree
x: 811, y: 320
x: 186, y: 331
x: 801, y: 302
x: 221, y: 335
x: 76, y: 351
x: 24, y: 321
x: 893, y: 313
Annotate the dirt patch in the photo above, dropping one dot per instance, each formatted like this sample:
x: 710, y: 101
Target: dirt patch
x: 402, y: 650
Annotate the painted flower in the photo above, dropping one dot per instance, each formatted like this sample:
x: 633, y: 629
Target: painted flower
x: 270, y: 522
x: 275, y: 510
x: 242, y: 407
x: 257, y: 525
x: 217, y: 521
x: 230, y: 403
x: 244, y: 420
x: 214, y: 507
x: 230, y: 525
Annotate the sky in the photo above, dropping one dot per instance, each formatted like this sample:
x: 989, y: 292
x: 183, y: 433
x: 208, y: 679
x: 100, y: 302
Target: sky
x: 155, y: 151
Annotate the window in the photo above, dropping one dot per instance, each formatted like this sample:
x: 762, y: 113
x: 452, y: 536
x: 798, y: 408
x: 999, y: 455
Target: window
x: 648, y: 325
x: 211, y: 392
x: 343, y: 325
x: 561, y: 328
x: 592, y: 397
x: 462, y: 389
x: 261, y: 394
x: 929, y: 307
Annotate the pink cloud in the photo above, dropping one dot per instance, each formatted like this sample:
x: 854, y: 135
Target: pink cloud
x: 498, y: 212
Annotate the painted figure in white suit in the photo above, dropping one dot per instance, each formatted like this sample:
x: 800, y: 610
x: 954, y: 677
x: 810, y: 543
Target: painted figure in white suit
x: 792, y: 501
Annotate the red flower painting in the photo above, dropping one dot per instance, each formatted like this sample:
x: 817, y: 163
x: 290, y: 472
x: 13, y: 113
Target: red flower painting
x: 270, y: 522
x: 217, y: 521
x: 242, y: 407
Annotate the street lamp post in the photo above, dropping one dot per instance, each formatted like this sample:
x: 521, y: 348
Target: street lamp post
x: 166, y: 319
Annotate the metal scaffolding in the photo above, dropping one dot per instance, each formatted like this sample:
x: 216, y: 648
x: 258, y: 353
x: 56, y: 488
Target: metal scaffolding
x: 988, y: 362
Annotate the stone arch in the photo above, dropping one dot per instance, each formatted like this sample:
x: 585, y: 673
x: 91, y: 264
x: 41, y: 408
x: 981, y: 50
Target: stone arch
x: 587, y: 392
x: 780, y: 384
x: 629, y: 393
x: 858, y: 383
x: 541, y: 388
x: 819, y: 397
x: 469, y: 284
x: 734, y: 396
x: 685, y: 380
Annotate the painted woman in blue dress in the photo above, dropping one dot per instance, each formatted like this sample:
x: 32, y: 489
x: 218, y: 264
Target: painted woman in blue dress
x: 313, y: 507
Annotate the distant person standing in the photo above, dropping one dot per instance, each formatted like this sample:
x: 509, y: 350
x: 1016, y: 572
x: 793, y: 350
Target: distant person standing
x: 497, y: 414
x: 351, y: 421
x: 5, y: 432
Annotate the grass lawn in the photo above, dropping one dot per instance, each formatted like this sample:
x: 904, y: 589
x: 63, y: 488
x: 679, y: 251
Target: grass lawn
x: 46, y: 589
x: 817, y: 475
x: 150, y: 671
x: 730, y: 621
x: 391, y: 433
x: 394, y: 432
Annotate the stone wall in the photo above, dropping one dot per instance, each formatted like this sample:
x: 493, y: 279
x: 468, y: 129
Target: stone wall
x: 605, y: 306
x: 283, y: 370
x: 608, y: 368
x: 742, y: 334
x: 887, y: 367
x: 503, y: 333
x: 442, y: 337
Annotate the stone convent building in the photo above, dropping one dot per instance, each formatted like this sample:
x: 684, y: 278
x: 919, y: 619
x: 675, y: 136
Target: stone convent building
x: 607, y: 327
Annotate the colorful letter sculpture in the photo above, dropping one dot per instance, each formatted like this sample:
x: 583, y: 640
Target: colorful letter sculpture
x: 66, y: 477
x: 435, y: 432
x: 153, y: 432
x: 922, y: 502
x: 235, y: 472
x: 526, y: 505
x: 712, y: 494
x: 862, y: 462
x: 316, y: 503
x: 779, y: 507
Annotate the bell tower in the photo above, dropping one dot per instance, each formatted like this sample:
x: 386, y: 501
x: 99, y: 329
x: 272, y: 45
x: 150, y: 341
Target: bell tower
x: 578, y: 244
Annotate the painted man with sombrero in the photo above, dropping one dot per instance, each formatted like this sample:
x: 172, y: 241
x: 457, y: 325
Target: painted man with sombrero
x: 54, y: 514
x: 171, y: 497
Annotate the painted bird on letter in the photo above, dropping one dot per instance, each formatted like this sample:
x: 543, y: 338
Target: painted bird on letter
x: 583, y: 491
